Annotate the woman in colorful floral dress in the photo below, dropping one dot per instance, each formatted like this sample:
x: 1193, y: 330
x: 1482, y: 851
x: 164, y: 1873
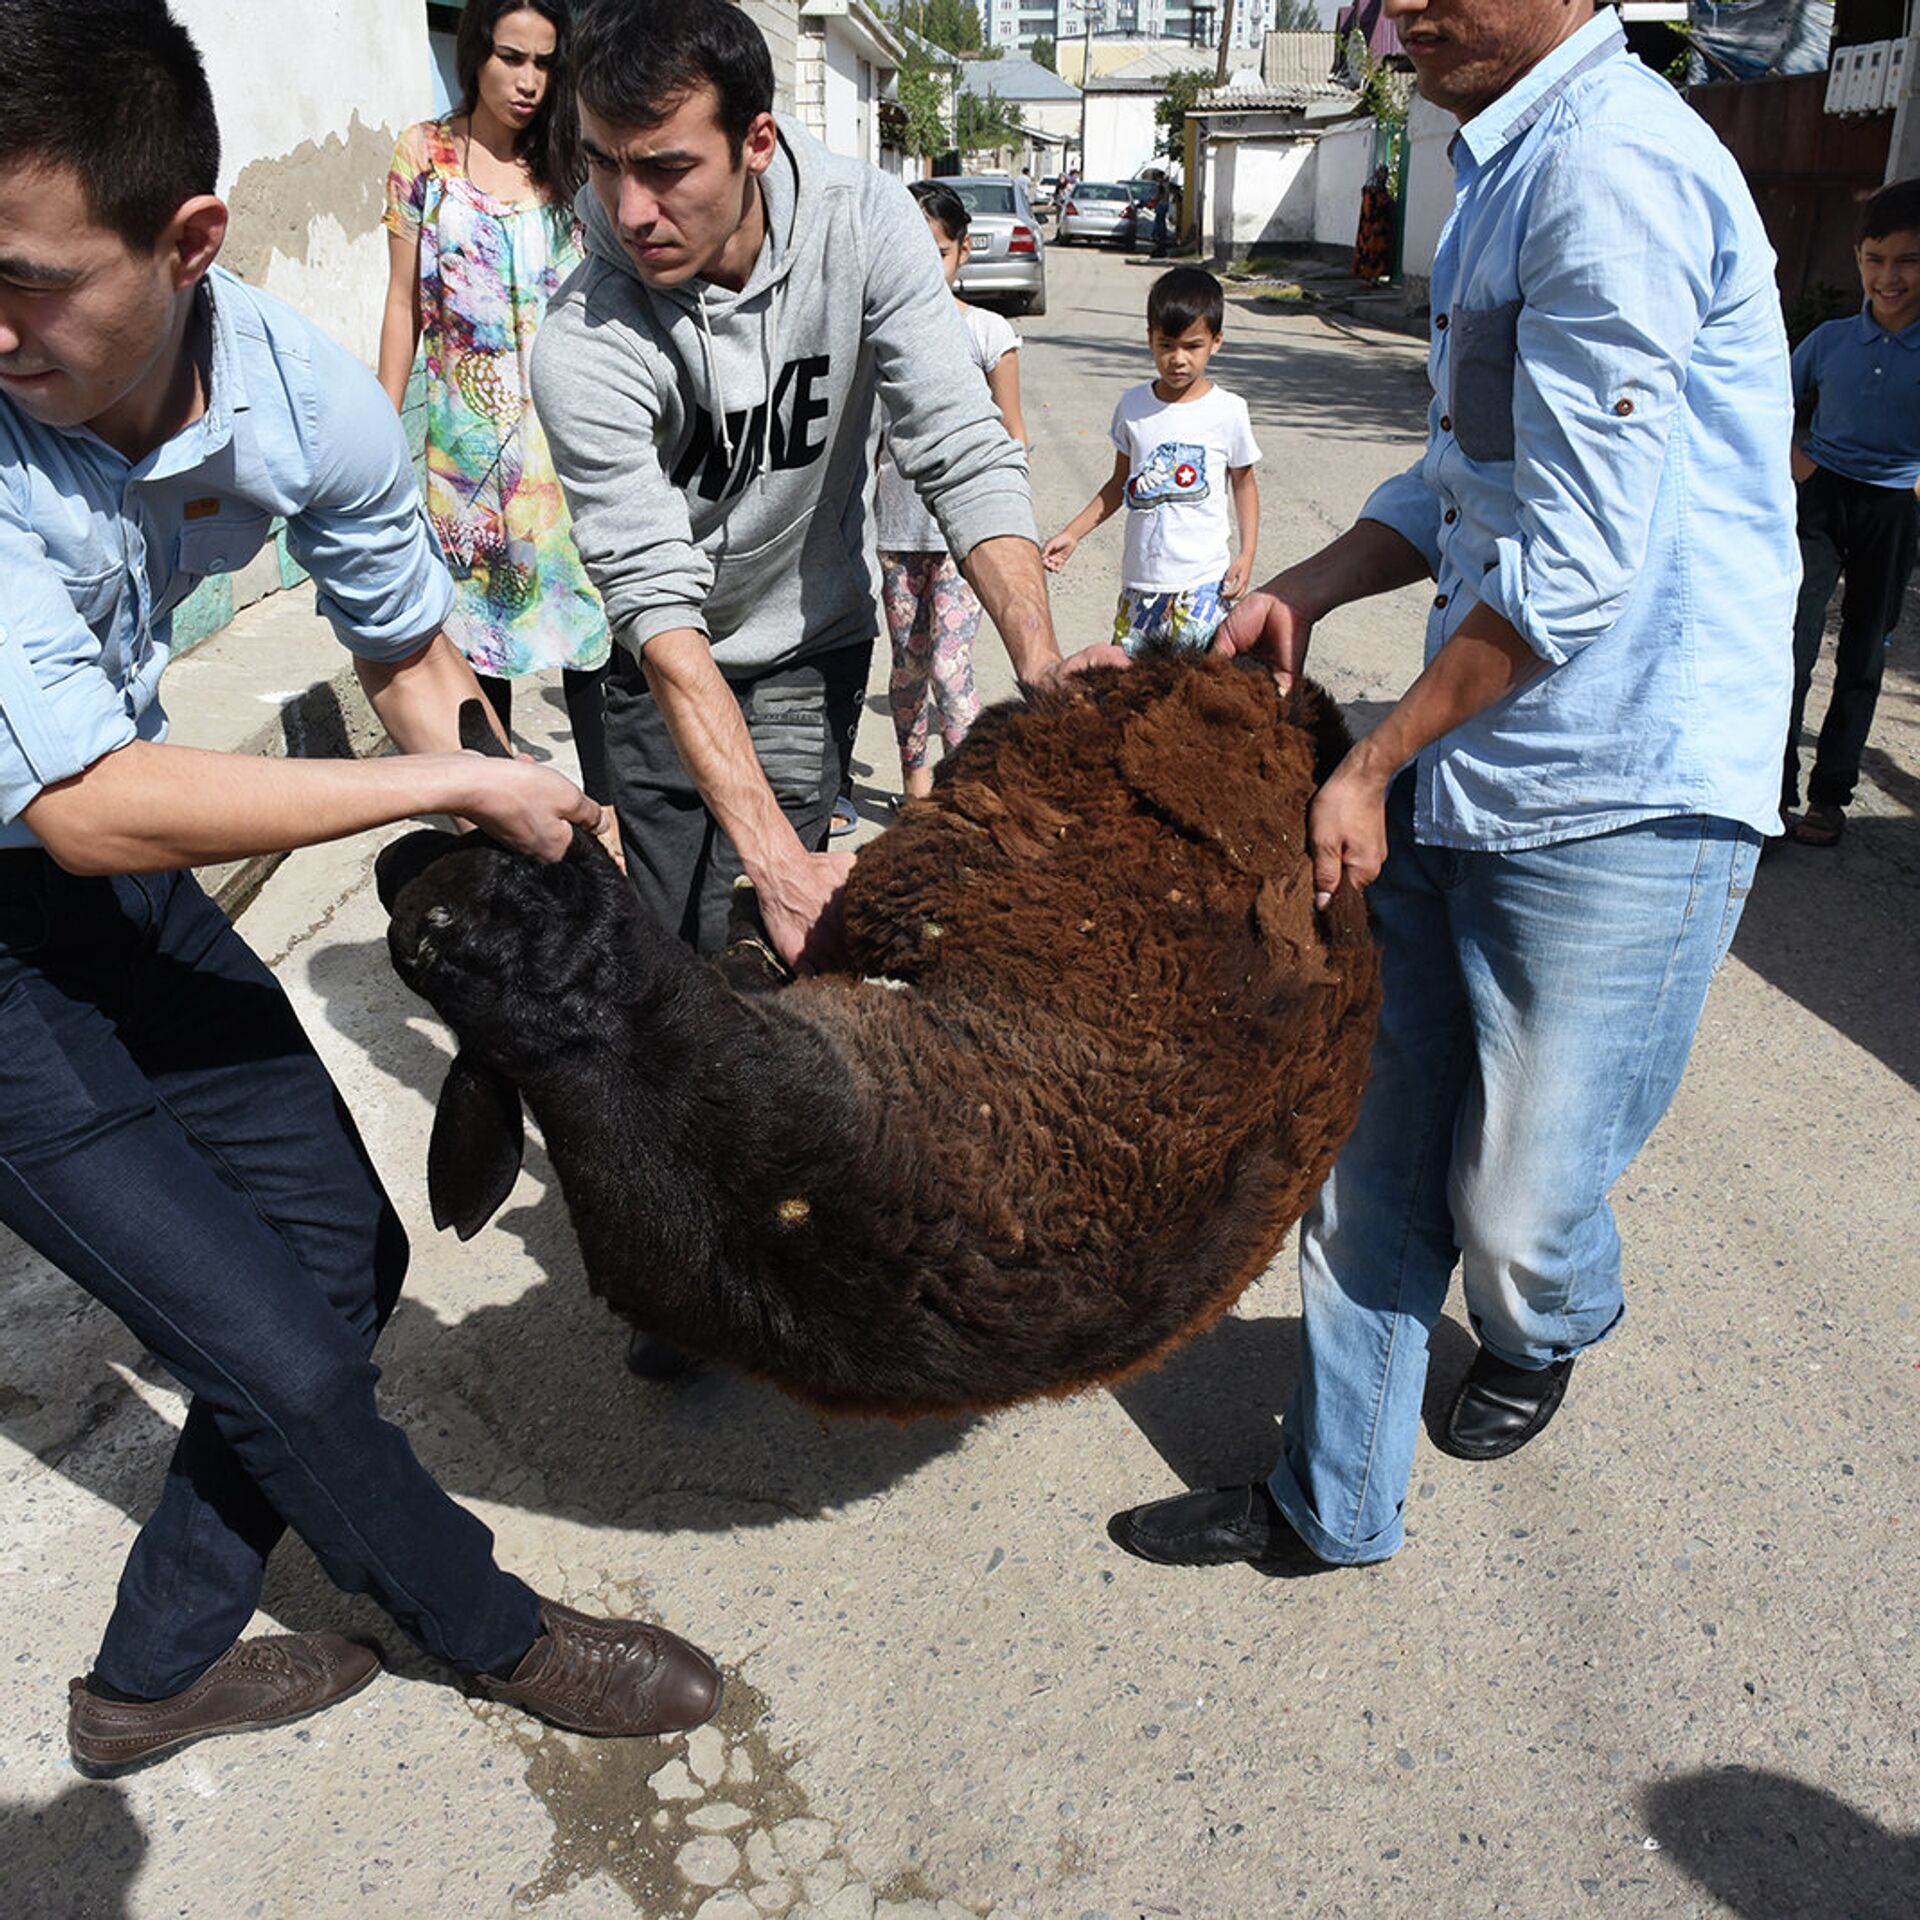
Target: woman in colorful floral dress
x: 480, y: 233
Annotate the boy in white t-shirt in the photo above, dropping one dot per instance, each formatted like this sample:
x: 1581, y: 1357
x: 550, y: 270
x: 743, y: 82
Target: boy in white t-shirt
x: 1184, y: 445
x: 932, y: 615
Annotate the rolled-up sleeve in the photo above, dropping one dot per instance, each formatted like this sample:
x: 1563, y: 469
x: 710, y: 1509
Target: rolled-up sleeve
x: 1412, y: 509
x: 59, y: 712
x: 1806, y: 369
x: 1617, y: 272
x: 364, y: 533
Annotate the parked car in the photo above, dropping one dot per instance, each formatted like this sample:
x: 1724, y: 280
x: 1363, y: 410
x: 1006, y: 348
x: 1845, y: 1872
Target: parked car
x: 1097, y: 210
x: 1147, y: 189
x: 1009, y: 258
x: 1046, y: 197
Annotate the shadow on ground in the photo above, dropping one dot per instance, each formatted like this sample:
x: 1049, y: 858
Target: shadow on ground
x: 1212, y: 1411
x: 1832, y: 928
x: 1297, y: 379
x: 1771, y: 1848
x: 76, y: 1858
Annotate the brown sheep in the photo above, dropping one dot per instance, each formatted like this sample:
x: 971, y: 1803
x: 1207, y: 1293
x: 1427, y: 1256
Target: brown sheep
x: 1102, y: 1058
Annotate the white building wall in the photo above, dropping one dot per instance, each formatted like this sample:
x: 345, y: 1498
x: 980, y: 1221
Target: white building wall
x: 810, y: 79
x: 311, y: 100
x: 1060, y: 120
x: 779, y: 22
x: 1259, y: 193
x: 1429, y: 190
x: 850, y: 126
x: 1120, y: 134
x: 1339, y: 172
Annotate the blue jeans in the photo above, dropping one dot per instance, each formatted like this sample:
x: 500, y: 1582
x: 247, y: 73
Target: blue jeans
x: 169, y: 1138
x: 1537, y: 1012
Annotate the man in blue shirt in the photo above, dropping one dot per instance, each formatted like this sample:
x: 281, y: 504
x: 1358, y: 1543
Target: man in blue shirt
x: 1559, y: 819
x: 167, y: 1135
x: 1859, y: 516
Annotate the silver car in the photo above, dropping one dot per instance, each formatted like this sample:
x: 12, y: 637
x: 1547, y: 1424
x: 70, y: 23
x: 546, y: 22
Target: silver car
x: 1097, y: 210
x: 1009, y: 259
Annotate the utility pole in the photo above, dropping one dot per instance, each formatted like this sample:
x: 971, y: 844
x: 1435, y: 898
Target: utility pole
x: 1086, y: 70
x: 1226, y: 40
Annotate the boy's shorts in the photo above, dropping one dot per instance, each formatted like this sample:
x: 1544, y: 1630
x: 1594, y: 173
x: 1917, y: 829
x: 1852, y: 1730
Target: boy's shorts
x: 1149, y: 622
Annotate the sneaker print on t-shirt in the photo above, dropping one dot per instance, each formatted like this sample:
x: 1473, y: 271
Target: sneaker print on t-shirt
x: 1175, y: 470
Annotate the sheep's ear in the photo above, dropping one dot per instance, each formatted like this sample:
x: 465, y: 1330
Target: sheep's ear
x: 473, y: 1158
x: 407, y: 858
x: 475, y: 733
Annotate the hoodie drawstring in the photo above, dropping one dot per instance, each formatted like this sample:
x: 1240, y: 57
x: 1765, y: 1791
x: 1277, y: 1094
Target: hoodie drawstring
x: 769, y: 360
x: 713, y: 377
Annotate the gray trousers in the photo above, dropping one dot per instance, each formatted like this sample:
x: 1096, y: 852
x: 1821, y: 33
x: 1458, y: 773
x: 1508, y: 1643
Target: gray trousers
x: 682, y: 866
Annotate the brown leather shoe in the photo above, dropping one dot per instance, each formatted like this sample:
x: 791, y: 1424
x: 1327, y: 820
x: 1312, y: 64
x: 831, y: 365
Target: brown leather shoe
x: 612, y: 1677
x: 256, y: 1683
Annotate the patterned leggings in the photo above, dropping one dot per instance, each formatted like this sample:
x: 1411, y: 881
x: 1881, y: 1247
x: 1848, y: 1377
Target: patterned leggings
x: 932, y: 617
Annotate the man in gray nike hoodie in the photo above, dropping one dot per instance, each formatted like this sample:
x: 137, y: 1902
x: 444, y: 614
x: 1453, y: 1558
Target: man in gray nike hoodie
x: 707, y: 382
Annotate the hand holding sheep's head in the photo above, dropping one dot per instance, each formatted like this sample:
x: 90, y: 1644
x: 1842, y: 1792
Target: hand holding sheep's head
x: 505, y: 947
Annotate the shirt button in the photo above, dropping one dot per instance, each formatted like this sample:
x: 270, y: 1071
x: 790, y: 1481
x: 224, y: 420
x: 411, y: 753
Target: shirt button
x: 1446, y: 423
x: 1439, y: 599
x: 1623, y: 408
x: 1451, y: 515
x: 1440, y: 322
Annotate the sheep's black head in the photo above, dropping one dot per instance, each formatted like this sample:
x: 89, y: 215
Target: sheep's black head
x: 518, y: 956
x: 522, y: 959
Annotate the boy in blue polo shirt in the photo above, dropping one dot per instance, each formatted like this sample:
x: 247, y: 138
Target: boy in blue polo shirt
x: 1856, y: 468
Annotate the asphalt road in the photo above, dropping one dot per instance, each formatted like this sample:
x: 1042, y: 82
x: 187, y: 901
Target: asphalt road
x: 1661, y: 1664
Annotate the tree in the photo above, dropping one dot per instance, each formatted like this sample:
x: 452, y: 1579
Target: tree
x: 922, y: 95
x: 1385, y: 91
x: 983, y: 123
x: 1041, y: 53
x: 953, y: 24
x: 1296, y: 16
x: 1170, y: 112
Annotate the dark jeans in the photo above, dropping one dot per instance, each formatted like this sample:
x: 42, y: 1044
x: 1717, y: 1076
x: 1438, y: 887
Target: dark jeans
x: 681, y: 865
x: 1867, y: 533
x: 586, y: 717
x: 169, y: 1138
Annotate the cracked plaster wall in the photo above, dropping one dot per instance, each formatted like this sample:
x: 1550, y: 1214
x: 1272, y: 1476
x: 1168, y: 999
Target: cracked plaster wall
x: 311, y: 96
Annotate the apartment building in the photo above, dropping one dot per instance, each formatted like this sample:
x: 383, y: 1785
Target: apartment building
x: 1016, y: 24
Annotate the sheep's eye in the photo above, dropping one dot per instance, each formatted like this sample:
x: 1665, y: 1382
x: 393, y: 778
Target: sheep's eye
x: 439, y: 916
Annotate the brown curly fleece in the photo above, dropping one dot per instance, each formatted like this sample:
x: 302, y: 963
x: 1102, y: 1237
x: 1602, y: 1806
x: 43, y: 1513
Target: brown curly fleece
x: 1111, y: 1059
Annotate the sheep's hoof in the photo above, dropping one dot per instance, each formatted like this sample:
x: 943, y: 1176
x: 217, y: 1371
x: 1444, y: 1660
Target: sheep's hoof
x: 651, y: 1358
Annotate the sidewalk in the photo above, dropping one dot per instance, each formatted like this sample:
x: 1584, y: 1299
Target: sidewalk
x: 1306, y: 281
x: 274, y: 681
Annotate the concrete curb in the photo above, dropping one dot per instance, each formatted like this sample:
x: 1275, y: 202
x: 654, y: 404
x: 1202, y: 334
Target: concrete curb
x: 276, y: 682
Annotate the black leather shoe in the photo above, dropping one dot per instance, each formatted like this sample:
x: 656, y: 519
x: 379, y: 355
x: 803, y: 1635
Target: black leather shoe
x: 1500, y: 1407
x: 1212, y: 1528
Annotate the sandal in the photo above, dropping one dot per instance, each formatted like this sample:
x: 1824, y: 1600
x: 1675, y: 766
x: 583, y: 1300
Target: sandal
x: 846, y: 817
x: 1820, y: 826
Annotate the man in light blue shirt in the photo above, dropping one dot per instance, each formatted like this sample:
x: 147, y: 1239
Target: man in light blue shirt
x: 167, y: 1135
x: 1559, y: 819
